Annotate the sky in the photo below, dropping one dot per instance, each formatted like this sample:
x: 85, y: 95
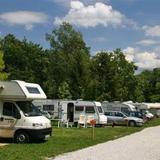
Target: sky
x: 132, y: 25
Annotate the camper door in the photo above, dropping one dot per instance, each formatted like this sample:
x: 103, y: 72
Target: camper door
x: 7, y: 119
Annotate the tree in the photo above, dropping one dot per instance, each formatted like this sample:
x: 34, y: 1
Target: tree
x: 63, y: 91
x: 150, y: 81
x: 125, y: 81
x: 114, y: 76
x: 3, y: 75
x: 69, y: 59
x: 24, y: 60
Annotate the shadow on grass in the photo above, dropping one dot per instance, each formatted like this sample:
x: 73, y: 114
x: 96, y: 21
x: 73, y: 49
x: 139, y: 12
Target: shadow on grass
x: 11, y: 141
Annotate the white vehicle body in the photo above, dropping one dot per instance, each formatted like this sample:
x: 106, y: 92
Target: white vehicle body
x: 118, y: 106
x: 48, y: 105
x: 143, y: 108
x: 19, y: 118
x: 71, y: 111
x: 117, y: 117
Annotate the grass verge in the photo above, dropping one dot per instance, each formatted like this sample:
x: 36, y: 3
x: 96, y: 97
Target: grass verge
x: 65, y: 140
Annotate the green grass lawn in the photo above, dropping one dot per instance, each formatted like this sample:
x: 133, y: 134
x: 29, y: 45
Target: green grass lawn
x: 65, y: 140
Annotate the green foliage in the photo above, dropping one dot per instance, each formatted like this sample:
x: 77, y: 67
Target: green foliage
x: 113, y: 75
x: 3, y: 75
x: 24, y: 60
x: 69, y: 59
x: 150, y: 85
x: 63, y: 91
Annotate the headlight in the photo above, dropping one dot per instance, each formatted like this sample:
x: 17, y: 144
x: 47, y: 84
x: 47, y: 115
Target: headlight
x: 37, y: 124
x: 140, y: 121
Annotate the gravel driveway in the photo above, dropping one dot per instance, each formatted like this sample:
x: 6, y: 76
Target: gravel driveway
x: 144, y: 145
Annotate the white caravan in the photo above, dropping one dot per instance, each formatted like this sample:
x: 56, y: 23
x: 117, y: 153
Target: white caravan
x: 19, y: 118
x: 49, y: 106
x: 72, y: 110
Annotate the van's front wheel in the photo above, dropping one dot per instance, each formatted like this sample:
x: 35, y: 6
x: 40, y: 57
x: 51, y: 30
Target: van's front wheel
x: 21, y: 137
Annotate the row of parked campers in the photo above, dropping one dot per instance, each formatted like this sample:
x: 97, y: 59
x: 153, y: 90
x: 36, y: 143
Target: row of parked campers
x: 70, y: 111
x: 23, y: 106
x: 21, y: 120
x: 115, y: 112
x: 126, y: 113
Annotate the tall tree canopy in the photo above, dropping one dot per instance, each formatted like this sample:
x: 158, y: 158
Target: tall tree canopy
x: 113, y: 77
x: 24, y: 60
x: 69, y: 60
x: 66, y: 69
x: 3, y: 75
x: 150, y: 84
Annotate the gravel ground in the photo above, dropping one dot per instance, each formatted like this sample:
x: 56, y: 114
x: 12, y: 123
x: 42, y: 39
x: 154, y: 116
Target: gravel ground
x: 144, y: 145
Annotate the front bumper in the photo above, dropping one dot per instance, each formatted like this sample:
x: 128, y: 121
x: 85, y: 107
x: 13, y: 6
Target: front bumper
x: 139, y: 124
x: 40, y: 133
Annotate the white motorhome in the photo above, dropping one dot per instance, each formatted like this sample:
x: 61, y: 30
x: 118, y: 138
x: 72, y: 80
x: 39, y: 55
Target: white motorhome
x: 143, y: 108
x: 71, y: 111
x: 118, y: 106
x: 19, y: 118
x: 153, y: 108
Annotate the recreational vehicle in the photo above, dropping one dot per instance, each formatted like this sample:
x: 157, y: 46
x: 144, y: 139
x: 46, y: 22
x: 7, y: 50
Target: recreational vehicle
x: 118, y: 106
x: 71, y: 111
x: 19, y: 118
x: 153, y: 108
x: 48, y: 105
x: 143, y: 108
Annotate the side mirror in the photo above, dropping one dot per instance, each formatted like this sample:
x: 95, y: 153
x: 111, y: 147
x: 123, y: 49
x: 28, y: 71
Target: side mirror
x: 17, y: 116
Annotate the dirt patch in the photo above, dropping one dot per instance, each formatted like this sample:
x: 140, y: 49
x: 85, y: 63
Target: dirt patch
x: 3, y: 144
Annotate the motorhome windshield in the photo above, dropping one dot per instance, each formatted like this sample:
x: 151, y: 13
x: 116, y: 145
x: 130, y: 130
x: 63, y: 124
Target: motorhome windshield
x: 28, y: 108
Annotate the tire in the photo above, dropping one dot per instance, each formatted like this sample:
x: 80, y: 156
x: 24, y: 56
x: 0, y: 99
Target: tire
x: 21, y: 137
x: 132, y: 123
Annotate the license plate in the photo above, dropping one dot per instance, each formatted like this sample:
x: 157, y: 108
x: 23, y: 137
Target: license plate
x: 47, y: 136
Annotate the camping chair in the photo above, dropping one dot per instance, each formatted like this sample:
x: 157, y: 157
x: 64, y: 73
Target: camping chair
x: 82, y: 121
x: 63, y: 122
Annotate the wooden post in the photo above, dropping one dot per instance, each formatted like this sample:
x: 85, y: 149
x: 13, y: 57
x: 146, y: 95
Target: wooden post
x: 93, y: 132
x: 93, y: 122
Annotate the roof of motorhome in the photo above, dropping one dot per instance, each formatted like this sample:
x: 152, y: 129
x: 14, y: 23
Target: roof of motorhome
x: 97, y: 103
x: 79, y: 102
x: 129, y: 105
x: 20, y: 90
x: 152, y: 105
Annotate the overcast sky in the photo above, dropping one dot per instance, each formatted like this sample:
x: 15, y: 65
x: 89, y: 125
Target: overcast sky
x: 132, y: 25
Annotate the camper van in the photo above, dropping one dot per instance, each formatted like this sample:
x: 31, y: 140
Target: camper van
x: 19, y: 118
x: 71, y: 111
x: 118, y: 106
x: 144, y: 109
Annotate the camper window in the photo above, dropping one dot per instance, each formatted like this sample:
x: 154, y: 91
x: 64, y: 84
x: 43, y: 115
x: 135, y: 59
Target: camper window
x: 124, y: 109
x: 79, y: 108
x: 33, y: 90
x: 28, y: 108
x: 9, y: 109
x: 90, y: 109
x: 48, y: 107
